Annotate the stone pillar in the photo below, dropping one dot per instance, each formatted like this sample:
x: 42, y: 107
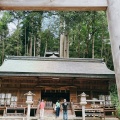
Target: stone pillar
x: 83, y: 103
x: 113, y: 15
x: 83, y: 112
x: 28, y: 109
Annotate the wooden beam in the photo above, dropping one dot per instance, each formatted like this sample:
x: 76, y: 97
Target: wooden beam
x: 15, y: 89
x: 81, y: 5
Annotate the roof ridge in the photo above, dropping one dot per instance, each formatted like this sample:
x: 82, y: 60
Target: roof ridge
x: 37, y: 58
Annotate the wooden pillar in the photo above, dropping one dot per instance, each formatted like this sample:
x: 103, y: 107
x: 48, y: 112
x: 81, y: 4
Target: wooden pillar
x: 40, y: 95
x: 113, y: 15
x: 18, y: 93
x: 91, y: 94
x: 73, y: 94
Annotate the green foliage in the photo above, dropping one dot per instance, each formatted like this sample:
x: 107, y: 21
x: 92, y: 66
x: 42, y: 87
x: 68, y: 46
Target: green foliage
x: 114, y: 98
x: 15, y: 45
x: 48, y: 42
x: 113, y: 92
x: 4, y: 32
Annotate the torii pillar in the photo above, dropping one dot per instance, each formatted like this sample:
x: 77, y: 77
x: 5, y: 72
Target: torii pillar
x: 113, y: 15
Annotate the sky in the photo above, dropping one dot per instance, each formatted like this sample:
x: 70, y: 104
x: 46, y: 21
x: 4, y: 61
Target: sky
x: 11, y: 27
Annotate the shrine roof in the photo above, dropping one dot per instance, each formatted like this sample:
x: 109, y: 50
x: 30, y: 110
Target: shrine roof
x: 48, y: 66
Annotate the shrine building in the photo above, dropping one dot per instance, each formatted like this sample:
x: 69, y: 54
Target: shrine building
x: 54, y: 78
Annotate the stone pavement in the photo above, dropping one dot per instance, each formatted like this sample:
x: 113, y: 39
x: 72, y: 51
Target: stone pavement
x: 52, y: 118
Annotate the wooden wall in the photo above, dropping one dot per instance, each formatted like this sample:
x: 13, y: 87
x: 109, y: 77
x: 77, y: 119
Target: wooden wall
x: 19, y: 86
x: 73, y: 95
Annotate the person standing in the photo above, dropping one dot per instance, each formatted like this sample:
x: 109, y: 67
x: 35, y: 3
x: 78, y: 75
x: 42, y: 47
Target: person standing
x: 57, y: 108
x: 64, y: 106
x: 42, y: 106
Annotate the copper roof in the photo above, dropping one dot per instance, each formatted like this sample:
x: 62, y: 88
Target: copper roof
x: 38, y: 66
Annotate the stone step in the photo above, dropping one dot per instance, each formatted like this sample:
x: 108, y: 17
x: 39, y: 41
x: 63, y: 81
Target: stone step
x: 53, y: 118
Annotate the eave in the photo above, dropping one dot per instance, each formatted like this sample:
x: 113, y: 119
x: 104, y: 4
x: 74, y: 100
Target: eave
x: 55, y: 67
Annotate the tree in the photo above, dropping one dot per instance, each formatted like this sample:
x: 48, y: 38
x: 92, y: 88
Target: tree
x: 4, y: 32
x: 87, y: 32
x: 31, y: 31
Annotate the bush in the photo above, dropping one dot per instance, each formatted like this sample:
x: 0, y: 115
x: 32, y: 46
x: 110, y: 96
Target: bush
x: 114, y: 98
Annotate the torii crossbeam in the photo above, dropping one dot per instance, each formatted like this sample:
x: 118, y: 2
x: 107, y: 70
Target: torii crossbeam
x: 53, y: 4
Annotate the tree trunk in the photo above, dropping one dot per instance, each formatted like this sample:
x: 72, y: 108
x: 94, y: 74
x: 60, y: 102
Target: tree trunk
x: 93, y: 47
x: 93, y: 34
x: 30, y: 50
x: 34, y: 45
x: 25, y: 41
x: 3, y: 50
x: 102, y: 48
x: 27, y: 49
x: 79, y: 52
x: 45, y: 48
x: 62, y: 37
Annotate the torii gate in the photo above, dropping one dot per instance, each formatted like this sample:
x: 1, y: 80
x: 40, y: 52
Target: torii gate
x: 112, y: 8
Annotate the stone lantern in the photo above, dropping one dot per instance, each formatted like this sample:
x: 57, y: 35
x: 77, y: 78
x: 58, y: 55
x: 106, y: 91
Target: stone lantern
x: 83, y: 99
x: 29, y: 101
x: 83, y: 103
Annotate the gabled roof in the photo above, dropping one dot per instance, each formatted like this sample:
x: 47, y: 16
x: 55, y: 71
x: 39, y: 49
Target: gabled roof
x: 71, y: 67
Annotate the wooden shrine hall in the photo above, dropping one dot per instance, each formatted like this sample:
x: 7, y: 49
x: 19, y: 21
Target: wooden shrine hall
x: 54, y: 78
